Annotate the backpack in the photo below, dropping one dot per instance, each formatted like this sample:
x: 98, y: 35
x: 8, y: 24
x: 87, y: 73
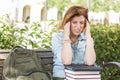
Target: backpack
x: 24, y: 64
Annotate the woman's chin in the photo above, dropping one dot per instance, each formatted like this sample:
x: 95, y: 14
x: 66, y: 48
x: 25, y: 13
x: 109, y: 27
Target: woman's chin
x: 77, y: 34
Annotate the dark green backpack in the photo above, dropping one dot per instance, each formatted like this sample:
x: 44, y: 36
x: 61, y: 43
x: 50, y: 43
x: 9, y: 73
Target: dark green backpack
x: 23, y: 64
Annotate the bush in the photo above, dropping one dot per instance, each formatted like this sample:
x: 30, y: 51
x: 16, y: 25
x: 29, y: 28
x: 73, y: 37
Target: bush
x: 7, y: 38
x: 107, y: 44
x: 106, y: 39
x: 30, y: 35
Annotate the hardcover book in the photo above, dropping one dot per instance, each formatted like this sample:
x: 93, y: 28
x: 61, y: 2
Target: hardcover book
x: 69, y: 78
x: 83, y: 68
x: 81, y: 72
x: 84, y: 76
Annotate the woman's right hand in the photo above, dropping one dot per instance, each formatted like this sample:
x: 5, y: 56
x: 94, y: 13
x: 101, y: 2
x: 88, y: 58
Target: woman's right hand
x: 67, y: 31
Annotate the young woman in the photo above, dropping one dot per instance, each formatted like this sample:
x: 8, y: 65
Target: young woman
x: 73, y: 44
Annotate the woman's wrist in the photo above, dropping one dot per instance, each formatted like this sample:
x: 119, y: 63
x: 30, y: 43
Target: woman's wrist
x: 66, y: 41
x: 90, y: 41
x: 66, y: 37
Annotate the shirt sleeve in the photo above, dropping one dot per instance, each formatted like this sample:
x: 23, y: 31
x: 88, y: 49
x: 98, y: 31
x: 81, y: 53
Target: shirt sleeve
x: 57, y: 47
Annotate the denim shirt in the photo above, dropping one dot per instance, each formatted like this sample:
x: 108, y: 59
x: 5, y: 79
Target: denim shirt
x: 78, y: 51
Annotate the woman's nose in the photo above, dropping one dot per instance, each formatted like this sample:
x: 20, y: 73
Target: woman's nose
x: 78, y: 25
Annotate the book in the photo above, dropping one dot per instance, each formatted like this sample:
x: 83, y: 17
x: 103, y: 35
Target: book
x: 81, y: 72
x: 83, y: 68
x: 84, y: 76
x: 69, y: 78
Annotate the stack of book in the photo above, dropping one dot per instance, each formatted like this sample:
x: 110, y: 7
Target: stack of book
x: 82, y: 72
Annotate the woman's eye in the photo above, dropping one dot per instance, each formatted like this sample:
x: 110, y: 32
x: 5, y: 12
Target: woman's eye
x: 81, y: 22
x: 74, y: 22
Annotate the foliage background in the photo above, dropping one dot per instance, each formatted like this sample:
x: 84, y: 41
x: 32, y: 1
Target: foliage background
x: 107, y: 44
x: 106, y: 37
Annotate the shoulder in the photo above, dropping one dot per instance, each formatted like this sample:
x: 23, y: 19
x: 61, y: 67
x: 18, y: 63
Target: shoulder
x: 58, y: 34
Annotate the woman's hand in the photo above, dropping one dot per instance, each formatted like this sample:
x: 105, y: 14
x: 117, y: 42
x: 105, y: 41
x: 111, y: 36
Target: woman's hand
x: 88, y: 34
x: 67, y: 31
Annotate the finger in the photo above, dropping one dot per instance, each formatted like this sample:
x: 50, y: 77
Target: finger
x: 87, y: 23
x: 67, y: 28
x: 67, y: 24
x: 84, y: 30
x: 87, y: 28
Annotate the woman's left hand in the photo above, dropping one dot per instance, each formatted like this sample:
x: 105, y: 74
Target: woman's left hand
x: 88, y: 34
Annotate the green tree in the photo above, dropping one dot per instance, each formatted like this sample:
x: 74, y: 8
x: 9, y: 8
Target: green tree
x: 60, y: 5
x: 81, y: 2
x: 105, y: 5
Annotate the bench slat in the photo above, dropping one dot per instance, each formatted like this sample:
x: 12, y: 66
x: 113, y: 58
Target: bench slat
x: 3, y: 55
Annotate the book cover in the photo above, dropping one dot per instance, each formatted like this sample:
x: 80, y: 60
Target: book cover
x: 83, y: 68
x: 81, y: 72
x: 69, y: 78
x: 84, y: 76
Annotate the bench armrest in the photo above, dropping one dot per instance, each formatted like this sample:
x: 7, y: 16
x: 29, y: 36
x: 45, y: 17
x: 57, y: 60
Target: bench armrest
x: 108, y: 64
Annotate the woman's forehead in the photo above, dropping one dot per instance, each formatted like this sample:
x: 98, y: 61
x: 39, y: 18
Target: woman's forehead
x: 81, y: 18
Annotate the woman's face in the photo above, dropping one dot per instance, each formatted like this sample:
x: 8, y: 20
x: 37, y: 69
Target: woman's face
x: 77, y: 25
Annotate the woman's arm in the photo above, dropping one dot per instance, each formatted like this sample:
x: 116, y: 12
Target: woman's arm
x: 90, y: 55
x: 66, y: 49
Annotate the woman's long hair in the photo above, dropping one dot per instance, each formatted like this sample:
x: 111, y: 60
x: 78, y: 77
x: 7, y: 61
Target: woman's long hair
x: 71, y: 12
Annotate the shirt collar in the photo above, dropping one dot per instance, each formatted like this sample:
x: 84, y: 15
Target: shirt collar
x: 82, y: 36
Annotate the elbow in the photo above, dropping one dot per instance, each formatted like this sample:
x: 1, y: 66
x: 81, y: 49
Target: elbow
x: 90, y: 63
x: 90, y: 60
x: 66, y: 62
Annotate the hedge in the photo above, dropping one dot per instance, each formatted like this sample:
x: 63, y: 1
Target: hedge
x: 107, y: 47
x: 106, y: 39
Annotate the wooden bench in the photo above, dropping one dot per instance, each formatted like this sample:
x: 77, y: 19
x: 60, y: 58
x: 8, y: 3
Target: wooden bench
x: 45, y: 55
x: 47, y: 60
